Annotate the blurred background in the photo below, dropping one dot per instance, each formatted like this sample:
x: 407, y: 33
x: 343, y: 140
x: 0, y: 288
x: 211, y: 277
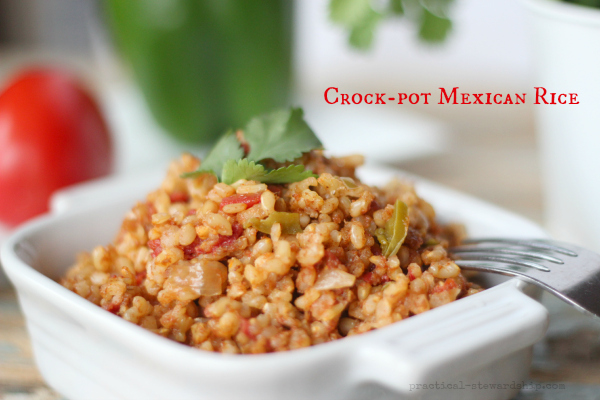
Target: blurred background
x: 132, y: 56
x: 487, y: 50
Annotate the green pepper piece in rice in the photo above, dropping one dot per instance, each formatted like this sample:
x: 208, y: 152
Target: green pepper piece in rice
x: 290, y: 223
x: 396, y: 228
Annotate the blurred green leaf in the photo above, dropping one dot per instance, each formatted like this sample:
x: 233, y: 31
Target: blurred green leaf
x: 361, y: 19
x: 433, y: 29
x: 361, y: 36
x: 437, y: 7
x: 587, y: 3
x: 350, y: 13
x: 396, y: 7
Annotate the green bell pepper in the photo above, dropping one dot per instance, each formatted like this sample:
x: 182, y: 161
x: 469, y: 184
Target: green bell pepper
x: 206, y: 65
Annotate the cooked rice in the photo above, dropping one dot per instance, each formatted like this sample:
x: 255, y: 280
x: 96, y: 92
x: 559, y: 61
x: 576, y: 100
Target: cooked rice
x: 183, y: 265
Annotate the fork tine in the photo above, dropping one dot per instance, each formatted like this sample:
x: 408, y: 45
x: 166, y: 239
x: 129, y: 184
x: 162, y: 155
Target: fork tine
x: 504, y: 260
x: 589, y: 307
x: 535, y: 244
x: 503, y: 250
x: 576, y: 281
x: 476, y: 265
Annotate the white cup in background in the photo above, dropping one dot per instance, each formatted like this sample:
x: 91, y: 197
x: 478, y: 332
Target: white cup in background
x: 566, y: 40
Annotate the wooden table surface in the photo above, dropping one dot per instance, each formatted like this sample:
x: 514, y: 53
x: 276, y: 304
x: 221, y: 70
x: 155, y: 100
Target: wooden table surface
x: 492, y: 156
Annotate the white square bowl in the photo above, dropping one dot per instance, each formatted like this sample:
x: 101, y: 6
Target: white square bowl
x: 85, y: 352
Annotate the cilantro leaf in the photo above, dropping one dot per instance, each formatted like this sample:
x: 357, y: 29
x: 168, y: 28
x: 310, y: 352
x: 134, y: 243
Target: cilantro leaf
x: 281, y: 135
x: 234, y: 170
x: 289, y: 174
x: 227, y: 148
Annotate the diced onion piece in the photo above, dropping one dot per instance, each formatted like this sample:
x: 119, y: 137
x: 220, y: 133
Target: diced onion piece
x: 192, y: 280
x: 331, y: 278
x: 208, y: 277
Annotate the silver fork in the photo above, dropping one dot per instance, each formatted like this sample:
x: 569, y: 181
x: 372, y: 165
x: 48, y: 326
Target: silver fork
x: 570, y: 272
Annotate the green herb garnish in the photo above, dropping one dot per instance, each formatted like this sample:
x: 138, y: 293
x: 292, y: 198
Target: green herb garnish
x: 233, y: 171
x: 227, y: 148
x: 282, y: 136
x: 291, y: 173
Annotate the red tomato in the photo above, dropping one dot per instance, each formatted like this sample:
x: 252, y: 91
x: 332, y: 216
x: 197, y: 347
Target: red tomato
x: 249, y: 199
x: 51, y: 135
